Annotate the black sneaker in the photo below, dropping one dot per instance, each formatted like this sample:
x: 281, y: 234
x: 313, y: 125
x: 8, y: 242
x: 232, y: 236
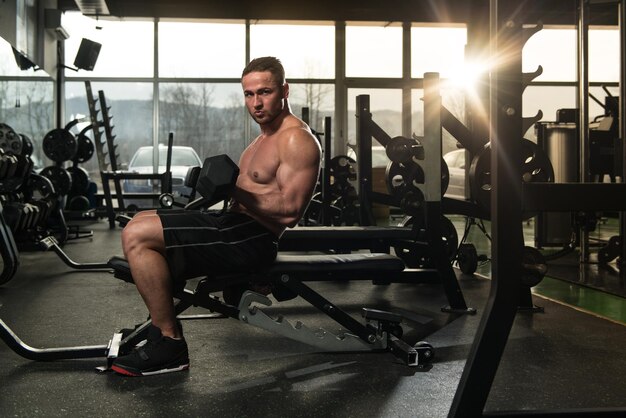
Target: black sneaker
x: 158, y: 355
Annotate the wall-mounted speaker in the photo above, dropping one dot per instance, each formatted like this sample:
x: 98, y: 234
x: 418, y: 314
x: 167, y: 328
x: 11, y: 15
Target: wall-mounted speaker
x: 87, y: 54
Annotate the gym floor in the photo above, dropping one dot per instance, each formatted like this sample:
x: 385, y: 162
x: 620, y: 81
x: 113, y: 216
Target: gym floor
x: 570, y: 356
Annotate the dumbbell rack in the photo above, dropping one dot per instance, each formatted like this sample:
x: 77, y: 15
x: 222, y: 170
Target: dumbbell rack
x: 109, y: 171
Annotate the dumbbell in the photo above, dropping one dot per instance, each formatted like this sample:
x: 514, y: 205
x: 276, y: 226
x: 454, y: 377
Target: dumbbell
x: 216, y: 180
x: 217, y: 177
x: 213, y: 182
x: 18, y: 215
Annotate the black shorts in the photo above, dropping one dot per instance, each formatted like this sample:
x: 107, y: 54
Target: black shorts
x: 202, y: 243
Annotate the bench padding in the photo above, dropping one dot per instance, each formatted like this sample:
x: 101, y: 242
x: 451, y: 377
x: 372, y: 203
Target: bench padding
x: 307, y: 265
x: 348, y: 233
x: 336, y: 263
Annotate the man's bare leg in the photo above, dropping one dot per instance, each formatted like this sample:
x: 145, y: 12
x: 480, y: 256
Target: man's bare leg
x: 144, y: 248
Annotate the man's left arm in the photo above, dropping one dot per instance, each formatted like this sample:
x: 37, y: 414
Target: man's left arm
x: 296, y: 177
x: 297, y: 174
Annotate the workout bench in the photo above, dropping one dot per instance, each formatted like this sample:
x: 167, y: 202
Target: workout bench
x: 380, y: 332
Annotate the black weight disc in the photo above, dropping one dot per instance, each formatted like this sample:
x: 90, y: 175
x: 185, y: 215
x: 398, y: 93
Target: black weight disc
x: 10, y: 141
x: 467, y: 258
x: 85, y: 149
x: 344, y: 190
x: 535, y: 166
x: 415, y: 259
x: 401, y: 149
x: 480, y: 177
x: 445, y: 177
x: 534, y: 266
x: 59, y: 145
x: 39, y: 187
x: 59, y: 177
x: 80, y: 180
x: 79, y: 203
x: 402, y: 178
x: 27, y: 145
x: 342, y: 168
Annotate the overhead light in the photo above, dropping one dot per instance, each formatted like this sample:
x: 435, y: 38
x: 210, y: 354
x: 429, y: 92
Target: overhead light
x: 52, y: 21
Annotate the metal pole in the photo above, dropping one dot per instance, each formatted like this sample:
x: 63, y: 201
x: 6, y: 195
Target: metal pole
x: 507, y: 237
x: 583, y: 110
x: 341, y: 91
x: 407, y: 108
x: 622, y: 112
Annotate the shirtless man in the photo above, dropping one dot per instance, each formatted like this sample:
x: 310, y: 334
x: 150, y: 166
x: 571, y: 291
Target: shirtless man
x: 278, y: 172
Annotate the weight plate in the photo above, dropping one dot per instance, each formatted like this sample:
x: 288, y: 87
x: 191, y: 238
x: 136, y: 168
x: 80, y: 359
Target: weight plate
x: 417, y: 259
x: 80, y: 180
x: 348, y: 215
x: 59, y: 145
x: 535, y: 166
x: 402, y: 150
x: 402, y: 178
x: 59, y: 177
x: 467, y: 258
x: 10, y: 141
x: 534, y: 266
x: 79, y: 203
x: 39, y: 187
x: 342, y: 168
x: 604, y: 255
x: 445, y: 177
x: 343, y: 189
x: 85, y: 149
x: 27, y: 145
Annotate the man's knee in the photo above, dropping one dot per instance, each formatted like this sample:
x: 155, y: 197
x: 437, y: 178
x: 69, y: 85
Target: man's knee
x: 144, y: 231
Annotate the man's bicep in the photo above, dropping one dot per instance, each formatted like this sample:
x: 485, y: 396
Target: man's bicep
x: 298, y: 173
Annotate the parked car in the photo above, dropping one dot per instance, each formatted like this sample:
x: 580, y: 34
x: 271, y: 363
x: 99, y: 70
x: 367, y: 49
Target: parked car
x: 456, y: 166
x: 182, y: 158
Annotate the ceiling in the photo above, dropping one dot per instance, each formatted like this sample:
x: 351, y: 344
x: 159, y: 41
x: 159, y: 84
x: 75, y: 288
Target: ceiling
x: 455, y: 11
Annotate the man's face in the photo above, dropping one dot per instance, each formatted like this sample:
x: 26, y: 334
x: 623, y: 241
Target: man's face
x: 265, y: 99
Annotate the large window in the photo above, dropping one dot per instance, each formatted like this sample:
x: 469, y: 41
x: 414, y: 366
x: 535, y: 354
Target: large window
x: 196, y: 77
x: 386, y: 109
x: 438, y: 49
x: 453, y: 99
x: 130, y: 106
x: 373, y: 50
x: 26, y: 99
x: 318, y: 98
x: 306, y: 50
x: 195, y: 49
x: 127, y: 46
x: 555, y: 50
x: 206, y: 117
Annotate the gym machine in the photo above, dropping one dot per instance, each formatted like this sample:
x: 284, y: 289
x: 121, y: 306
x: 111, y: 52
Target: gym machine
x: 380, y: 332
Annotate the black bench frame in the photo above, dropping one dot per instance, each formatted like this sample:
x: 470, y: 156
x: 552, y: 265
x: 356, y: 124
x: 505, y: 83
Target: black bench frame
x: 381, y: 331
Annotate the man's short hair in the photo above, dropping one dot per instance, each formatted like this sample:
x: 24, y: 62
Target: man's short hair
x: 271, y: 64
